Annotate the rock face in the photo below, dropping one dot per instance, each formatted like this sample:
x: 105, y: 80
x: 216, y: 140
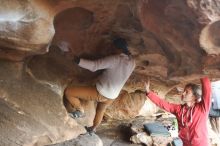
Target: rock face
x: 209, y: 39
x: 32, y: 109
x: 172, y: 41
x: 24, y: 28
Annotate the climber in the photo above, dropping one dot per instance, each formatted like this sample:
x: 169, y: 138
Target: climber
x: 193, y: 115
x: 117, y: 69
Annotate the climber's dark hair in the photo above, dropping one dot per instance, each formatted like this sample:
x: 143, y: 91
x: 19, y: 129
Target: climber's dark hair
x: 121, y: 43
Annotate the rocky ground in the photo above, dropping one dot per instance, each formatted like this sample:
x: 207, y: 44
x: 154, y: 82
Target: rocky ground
x: 114, y: 133
x: 117, y: 133
x: 128, y: 133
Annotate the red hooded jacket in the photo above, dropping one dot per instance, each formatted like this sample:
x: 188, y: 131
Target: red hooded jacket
x: 192, y: 121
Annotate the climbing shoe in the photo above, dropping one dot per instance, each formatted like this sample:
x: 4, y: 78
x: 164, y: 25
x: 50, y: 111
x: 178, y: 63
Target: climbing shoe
x: 90, y: 130
x: 76, y: 114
